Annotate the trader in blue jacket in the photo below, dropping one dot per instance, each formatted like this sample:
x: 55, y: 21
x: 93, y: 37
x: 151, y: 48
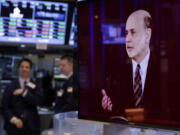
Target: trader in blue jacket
x: 20, y: 101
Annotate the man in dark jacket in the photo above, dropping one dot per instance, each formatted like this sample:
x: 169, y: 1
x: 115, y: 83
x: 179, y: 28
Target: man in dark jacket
x: 20, y: 101
x: 66, y: 97
x: 138, y: 86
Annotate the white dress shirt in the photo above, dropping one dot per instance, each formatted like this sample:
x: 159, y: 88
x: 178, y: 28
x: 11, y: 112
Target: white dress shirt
x: 70, y: 74
x: 143, y: 69
x: 22, y: 82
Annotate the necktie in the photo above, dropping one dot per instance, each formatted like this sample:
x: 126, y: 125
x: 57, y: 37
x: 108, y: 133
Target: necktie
x: 138, y: 88
x: 25, y: 84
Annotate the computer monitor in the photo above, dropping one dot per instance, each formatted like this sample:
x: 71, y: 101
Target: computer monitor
x: 33, y: 22
x: 73, y: 31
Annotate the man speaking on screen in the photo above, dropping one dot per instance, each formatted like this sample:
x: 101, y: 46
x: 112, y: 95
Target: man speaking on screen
x: 139, y: 87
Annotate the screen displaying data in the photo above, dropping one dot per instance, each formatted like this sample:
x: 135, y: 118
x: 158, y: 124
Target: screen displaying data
x: 34, y: 22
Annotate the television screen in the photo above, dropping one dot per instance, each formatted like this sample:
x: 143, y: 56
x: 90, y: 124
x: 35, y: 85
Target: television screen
x: 129, y: 61
x: 73, y: 31
x: 33, y: 22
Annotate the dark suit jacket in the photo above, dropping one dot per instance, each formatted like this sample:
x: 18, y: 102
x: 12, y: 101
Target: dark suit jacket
x: 121, y: 90
x: 68, y: 100
x: 24, y: 108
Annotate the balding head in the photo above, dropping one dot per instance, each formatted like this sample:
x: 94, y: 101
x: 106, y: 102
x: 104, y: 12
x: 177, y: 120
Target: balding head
x: 138, y: 34
x: 143, y: 15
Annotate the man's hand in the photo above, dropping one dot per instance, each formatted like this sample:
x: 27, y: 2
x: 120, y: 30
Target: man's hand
x: 18, y: 92
x: 106, y: 101
x: 17, y: 122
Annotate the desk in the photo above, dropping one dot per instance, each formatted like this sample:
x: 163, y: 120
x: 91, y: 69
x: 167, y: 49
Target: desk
x: 48, y: 132
x: 68, y: 124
